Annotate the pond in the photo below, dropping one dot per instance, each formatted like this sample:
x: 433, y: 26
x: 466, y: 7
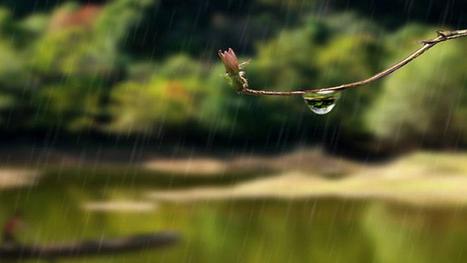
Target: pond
x: 61, y: 208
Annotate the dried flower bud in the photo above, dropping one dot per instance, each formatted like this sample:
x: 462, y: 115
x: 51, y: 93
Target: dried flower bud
x: 233, y: 69
x: 230, y: 61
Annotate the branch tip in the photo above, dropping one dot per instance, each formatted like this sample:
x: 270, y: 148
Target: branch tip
x: 237, y: 75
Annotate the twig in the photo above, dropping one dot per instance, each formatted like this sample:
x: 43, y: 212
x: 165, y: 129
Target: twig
x: 237, y: 75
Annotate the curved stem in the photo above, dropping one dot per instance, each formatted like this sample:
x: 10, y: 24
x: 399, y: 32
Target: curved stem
x: 427, y: 44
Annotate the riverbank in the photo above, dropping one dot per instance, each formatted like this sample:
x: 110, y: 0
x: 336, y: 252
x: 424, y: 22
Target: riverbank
x: 427, y: 179
x: 422, y: 178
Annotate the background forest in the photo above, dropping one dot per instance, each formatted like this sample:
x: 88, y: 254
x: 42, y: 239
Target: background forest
x: 131, y: 68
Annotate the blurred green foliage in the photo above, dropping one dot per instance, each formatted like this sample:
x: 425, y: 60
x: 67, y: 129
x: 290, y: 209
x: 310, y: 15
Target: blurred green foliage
x: 143, y: 67
x: 167, y: 97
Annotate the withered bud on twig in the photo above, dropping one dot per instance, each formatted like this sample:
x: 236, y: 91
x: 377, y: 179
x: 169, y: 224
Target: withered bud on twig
x: 233, y: 69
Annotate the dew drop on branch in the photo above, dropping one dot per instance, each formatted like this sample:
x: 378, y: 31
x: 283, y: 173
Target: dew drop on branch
x: 321, y: 102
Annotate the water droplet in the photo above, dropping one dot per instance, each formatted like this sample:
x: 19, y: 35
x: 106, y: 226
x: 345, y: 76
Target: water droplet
x: 321, y: 102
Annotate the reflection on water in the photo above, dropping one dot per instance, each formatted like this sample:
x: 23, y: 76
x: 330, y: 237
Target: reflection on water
x: 243, y: 231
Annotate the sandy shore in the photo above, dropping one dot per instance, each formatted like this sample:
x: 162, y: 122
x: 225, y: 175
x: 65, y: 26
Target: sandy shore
x: 306, y: 160
x: 418, y: 178
x: 13, y: 177
x: 422, y: 179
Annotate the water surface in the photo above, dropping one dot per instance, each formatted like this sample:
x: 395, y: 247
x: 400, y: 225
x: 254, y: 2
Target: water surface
x: 315, y: 230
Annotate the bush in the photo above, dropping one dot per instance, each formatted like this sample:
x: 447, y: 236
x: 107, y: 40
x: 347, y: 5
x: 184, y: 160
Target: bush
x: 73, y: 105
x: 168, y: 97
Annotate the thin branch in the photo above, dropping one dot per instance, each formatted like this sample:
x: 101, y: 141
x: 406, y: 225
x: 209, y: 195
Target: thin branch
x: 237, y: 75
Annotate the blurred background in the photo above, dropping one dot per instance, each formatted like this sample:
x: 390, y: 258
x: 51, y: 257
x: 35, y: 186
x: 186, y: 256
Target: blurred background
x: 116, y: 119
